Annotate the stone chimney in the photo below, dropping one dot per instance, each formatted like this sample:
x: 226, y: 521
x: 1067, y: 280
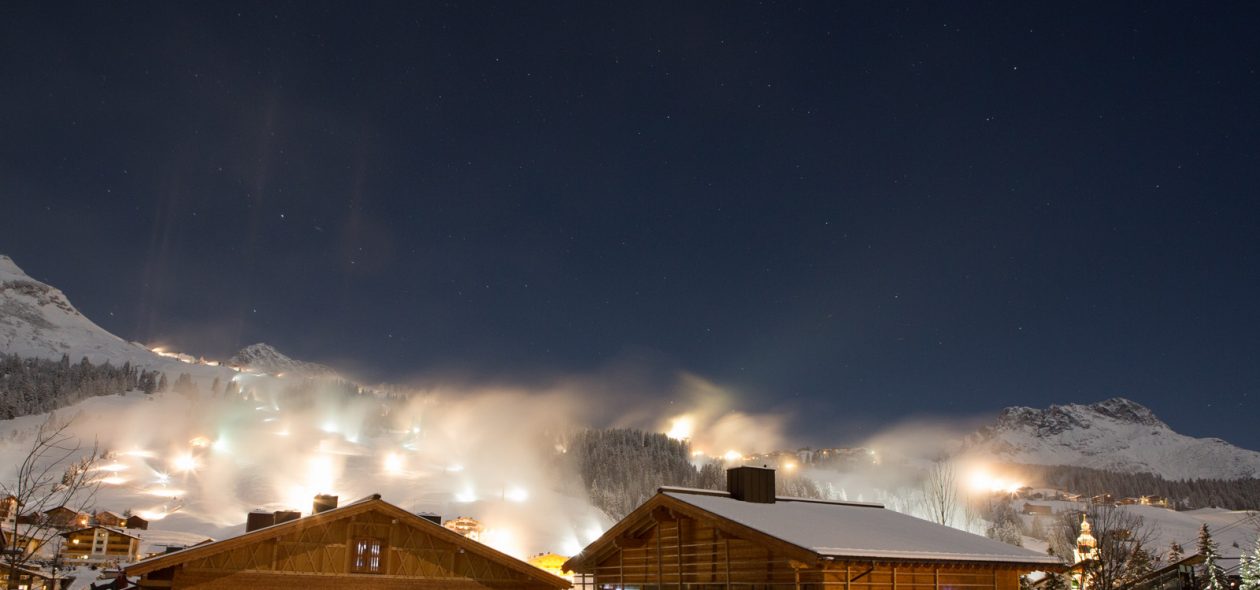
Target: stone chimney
x: 751, y: 484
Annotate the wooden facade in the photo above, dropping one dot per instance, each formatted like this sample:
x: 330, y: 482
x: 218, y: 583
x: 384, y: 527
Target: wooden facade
x: 667, y: 544
x: 64, y: 518
x: 9, y: 507
x: 370, y: 544
x: 107, y: 518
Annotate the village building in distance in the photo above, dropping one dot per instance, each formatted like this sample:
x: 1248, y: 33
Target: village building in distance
x: 369, y: 544
x: 749, y: 538
x: 98, y: 544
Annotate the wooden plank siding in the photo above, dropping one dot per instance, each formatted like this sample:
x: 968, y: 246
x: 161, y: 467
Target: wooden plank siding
x: 413, y: 554
x: 691, y: 554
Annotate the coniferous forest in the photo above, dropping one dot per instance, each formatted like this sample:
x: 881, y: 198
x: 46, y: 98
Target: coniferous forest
x: 34, y: 386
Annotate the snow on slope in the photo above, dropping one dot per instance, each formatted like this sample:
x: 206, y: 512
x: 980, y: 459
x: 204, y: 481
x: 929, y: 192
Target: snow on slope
x: 37, y: 320
x: 1116, y: 434
x: 264, y: 358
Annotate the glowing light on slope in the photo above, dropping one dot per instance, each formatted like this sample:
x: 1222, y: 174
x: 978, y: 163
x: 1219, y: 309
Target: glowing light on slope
x: 394, y: 463
x: 681, y: 427
x: 732, y: 456
x: 982, y: 481
x: 466, y: 496
x: 516, y: 494
x: 502, y: 539
x: 185, y: 463
x: 114, y: 480
x: 152, y: 515
x: 165, y: 492
x: 320, y: 474
x: 112, y: 467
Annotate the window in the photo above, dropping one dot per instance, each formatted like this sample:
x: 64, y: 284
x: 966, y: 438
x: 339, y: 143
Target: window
x: 366, y: 556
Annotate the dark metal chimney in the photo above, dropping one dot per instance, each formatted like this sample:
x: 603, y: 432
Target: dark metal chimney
x: 751, y: 484
x: 324, y: 502
x: 258, y: 520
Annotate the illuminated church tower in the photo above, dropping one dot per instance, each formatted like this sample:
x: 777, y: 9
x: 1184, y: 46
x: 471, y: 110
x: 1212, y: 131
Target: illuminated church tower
x: 1086, y: 545
x: 1086, y: 549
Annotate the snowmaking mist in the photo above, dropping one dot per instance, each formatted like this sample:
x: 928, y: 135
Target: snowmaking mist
x: 201, y: 461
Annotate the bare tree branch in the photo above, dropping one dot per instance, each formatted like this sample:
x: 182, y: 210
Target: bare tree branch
x: 56, y: 472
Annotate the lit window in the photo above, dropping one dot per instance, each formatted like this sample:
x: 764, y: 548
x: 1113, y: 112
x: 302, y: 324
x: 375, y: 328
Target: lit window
x: 367, y: 556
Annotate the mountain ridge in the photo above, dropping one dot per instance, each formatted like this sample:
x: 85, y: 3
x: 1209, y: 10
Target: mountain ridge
x: 264, y: 358
x: 1116, y: 434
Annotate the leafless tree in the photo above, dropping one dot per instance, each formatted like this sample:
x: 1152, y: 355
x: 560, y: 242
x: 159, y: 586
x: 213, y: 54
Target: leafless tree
x: 56, y: 472
x: 940, y: 493
x: 1125, y: 545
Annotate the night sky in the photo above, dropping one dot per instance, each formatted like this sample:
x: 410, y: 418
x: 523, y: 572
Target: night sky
x: 852, y: 212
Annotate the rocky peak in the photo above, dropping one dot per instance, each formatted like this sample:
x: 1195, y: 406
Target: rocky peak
x: 265, y: 358
x: 1058, y: 419
x: 1126, y: 410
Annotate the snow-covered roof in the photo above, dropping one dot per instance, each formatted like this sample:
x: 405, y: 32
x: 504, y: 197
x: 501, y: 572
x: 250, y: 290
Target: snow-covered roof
x: 158, y: 541
x: 848, y: 529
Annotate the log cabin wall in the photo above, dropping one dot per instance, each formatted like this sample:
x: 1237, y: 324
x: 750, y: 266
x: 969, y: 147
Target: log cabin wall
x: 678, y: 552
x: 682, y: 552
x: 325, y: 556
x: 867, y: 575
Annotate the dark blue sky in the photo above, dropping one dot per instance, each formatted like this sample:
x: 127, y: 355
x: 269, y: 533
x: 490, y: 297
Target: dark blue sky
x: 850, y: 210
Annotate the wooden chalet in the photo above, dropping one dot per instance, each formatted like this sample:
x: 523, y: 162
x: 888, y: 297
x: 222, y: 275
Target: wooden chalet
x: 1038, y: 509
x: 9, y: 509
x: 107, y: 518
x: 64, y: 518
x: 135, y: 522
x: 28, y: 578
x: 366, y: 545
x: 752, y: 540
x: 96, y: 544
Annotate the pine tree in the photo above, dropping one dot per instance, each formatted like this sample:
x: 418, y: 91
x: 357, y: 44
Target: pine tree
x: 1139, y: 565
x: 162, y: 384
x: 1175, y: 553
x: 1212, y: 576
x: 1249, y: 569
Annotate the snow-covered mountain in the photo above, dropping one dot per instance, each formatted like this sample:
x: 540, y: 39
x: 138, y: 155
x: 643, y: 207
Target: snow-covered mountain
x: 37, y: 320
x: 1116, y: 435
x: 264, y: 358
